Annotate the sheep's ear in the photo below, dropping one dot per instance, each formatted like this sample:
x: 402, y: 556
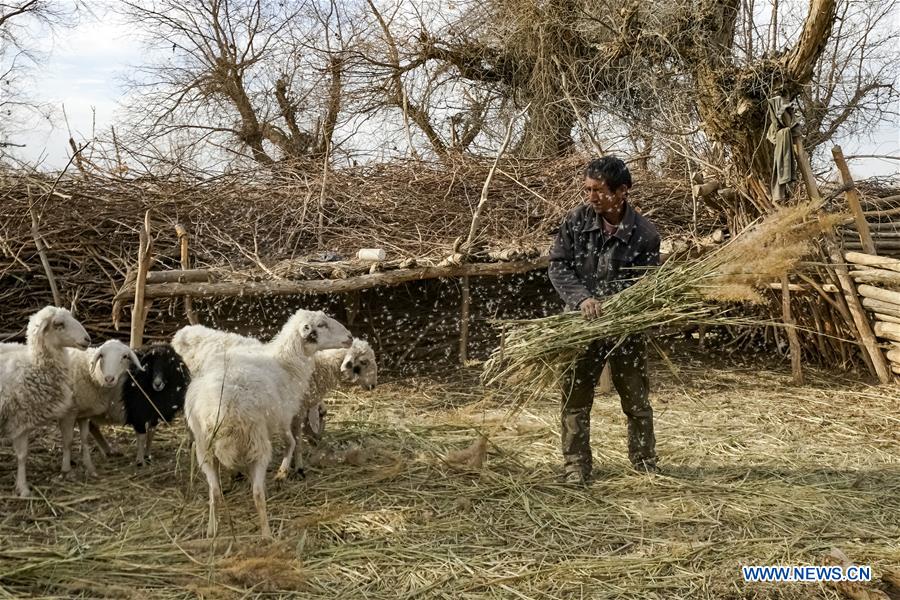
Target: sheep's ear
x: 312, y: 416
x: 94, y: 362
x: 47, y: 324
x: 135, y: 360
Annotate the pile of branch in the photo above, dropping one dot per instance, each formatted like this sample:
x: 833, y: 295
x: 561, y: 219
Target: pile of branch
x: 255, y: 226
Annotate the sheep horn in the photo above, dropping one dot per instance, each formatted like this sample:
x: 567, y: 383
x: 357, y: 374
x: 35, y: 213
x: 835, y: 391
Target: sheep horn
x: 135, y: 360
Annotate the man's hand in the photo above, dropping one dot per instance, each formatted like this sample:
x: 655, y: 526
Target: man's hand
x: 591, y: 308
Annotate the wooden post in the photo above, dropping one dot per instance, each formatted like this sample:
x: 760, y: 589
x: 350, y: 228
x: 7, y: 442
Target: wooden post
x: 464, y: 323
x: 42, y: 252
x: 140, y: 308
x: 805, y: 170
x: 864, y: 330
x: 186, y: 265
x: 790, y: 326
x: 852, y: 195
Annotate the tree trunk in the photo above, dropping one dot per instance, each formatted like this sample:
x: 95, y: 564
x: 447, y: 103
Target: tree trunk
x: 548, y: 130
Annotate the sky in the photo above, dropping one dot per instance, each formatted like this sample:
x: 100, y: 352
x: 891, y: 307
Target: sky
x: 81, y: 79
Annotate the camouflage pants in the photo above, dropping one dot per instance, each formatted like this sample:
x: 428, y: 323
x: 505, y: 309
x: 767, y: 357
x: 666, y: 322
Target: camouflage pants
x: 629, y: 375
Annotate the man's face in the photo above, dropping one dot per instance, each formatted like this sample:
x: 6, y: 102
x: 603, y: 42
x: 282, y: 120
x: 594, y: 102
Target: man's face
x: 598, y: 196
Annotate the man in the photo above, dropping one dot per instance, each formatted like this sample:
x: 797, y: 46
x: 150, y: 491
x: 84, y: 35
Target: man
x: 604, y: 246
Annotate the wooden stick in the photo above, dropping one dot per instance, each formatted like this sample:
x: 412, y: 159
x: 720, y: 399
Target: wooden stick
x: 173, y: 276
x: 866, y: 338
x: 178, y: 276
x: 876, y: 228
x: 185, y: 266
x: 45, y: 262
x: 803, y: 162
x: 864, y: 330
x: 880, y: 245
x: 320, y: 228
x: 872, y: 260
x: 818, y: 319
x: 139, y: 310
x: 888, y: 331
x: 843, y: 308
x: 790, y: 326
x: 464, y: 322
x: 879, y: 306
x: 482, y: 201
x: 887, y: 319
x: 822, y: 289
x: 799, y: 287
x: 852, y: 196
x: 877, y: 236
x: 875, y: 276
x: 339, y: 286
x: 877, y: 293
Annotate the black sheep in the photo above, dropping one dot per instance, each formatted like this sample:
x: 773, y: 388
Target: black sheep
x: 154, y: 394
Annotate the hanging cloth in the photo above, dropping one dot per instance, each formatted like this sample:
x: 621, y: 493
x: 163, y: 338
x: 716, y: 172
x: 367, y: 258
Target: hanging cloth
x: 780, y: 132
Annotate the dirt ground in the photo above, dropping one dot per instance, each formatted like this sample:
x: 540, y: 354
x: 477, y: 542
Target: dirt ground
x: 756, y: 471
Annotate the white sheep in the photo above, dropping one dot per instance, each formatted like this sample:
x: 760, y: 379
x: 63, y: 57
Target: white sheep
x: 235, y: 409
x: 199, y: 346
x: 355, y: 365
x: 98, y: 375
x: 35, y: 387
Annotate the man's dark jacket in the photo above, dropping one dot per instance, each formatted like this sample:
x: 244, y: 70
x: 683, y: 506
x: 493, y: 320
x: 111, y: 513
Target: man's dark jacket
x: 587, y: 262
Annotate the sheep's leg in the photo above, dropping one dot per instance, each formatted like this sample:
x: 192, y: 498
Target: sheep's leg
x: 104, y: 446
x: 67, y: 431
x: 20, y: 447
x: 150, y: 432
x: 297, y: 432
x: 141, y: 448
x: 215, y: 488
x: 86, y: 462
x: 292, y: 443
x: 258, y: 476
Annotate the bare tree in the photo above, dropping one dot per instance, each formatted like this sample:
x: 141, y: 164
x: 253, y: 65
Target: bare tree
x: 19, y: 55
x: 247, y: 76
x: 691, y: 75
x: 855, y: 84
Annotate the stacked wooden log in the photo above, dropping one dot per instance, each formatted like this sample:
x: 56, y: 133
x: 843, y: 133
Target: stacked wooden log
x: 878, y: 284
x: 882, y: 227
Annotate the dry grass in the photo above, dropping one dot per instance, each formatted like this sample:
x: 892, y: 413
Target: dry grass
x: 757, y: 472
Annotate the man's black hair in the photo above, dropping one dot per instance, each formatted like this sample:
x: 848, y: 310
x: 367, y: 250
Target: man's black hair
x: 609, y: 169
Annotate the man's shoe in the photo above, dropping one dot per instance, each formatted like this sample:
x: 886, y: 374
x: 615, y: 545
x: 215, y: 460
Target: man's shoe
x: 646, y: 466
x: 575, y: 477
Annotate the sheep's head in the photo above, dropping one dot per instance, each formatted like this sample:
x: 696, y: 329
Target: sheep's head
x: 56, y: 327
x: 164, y: 367
x: 359, y: 365
x: 111, y: 361
x: 317, y: 331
